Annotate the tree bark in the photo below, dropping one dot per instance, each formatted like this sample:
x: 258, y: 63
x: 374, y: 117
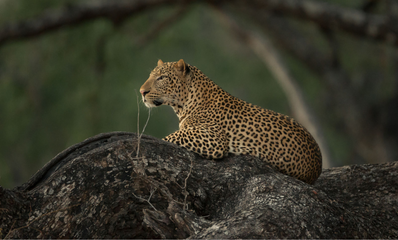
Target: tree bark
x: 100, y: 188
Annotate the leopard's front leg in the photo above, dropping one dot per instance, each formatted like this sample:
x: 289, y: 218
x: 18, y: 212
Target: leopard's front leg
x: 209, y: 141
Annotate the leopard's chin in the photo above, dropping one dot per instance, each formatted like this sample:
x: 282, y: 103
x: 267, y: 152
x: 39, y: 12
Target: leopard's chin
x: 154, y: 103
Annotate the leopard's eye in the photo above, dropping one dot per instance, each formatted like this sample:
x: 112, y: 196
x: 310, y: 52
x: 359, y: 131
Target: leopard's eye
x: 160, y: 78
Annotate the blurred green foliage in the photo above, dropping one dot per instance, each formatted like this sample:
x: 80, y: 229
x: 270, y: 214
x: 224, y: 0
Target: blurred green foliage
x: 68, y: 85
x: 65, y: 86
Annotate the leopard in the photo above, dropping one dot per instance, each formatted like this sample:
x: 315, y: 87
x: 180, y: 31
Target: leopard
x: 213, y: 123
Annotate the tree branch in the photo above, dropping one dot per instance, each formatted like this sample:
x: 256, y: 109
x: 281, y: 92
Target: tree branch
x: 176, y: 15
x: 93, y: 194
x: 115, y: 11
x: 350, y: 20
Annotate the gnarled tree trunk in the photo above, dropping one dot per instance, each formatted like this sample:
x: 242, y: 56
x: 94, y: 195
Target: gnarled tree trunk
x: 100, y: 188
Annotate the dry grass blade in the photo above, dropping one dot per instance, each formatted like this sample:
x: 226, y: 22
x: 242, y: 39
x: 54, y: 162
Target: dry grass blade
x: 138, y: 125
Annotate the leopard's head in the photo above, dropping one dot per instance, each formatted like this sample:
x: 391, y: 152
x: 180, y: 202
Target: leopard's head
x: 166, y: 85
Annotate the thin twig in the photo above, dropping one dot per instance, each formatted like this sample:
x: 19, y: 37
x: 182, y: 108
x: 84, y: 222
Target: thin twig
x: 151, y: 193
x: 12, y: 226
x: 138, y: 126
x: 185, y: 187
x: 147, y: 200
x: 161, y: 187
x: 146, y: 123
x: 189, y: 174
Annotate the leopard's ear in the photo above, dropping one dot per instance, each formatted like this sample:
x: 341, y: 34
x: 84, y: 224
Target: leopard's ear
x: 160, y: 62
x: 182, y: 67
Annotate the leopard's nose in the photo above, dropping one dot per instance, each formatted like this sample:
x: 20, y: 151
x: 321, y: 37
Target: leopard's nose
x: 143, y: 92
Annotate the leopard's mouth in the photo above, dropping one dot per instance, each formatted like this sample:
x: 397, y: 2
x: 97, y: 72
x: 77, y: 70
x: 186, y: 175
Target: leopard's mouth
x: 157, y: 102
x: 152, y: 103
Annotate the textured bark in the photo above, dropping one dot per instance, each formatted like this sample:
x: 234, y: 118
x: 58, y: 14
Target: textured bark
x: 100, y: 189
